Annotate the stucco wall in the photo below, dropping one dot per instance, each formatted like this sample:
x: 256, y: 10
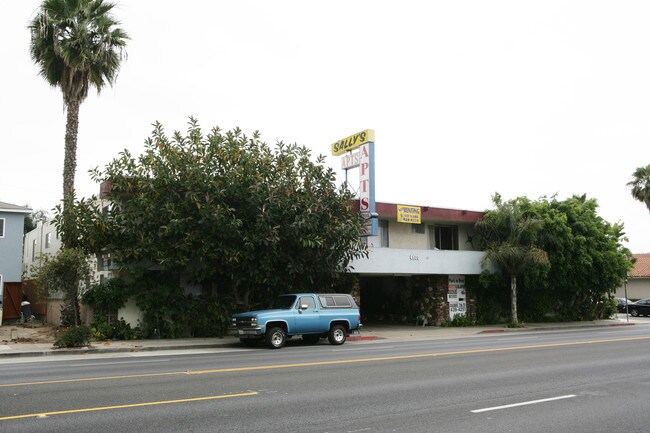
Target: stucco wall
x: 637, y: 288
x: 401, y: 236
x: 11, y: 246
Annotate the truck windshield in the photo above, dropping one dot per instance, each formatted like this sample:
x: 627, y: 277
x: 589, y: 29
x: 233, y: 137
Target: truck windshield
x: 284, y: 302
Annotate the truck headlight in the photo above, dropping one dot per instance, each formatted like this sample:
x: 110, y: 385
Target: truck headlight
x: 254, y: 321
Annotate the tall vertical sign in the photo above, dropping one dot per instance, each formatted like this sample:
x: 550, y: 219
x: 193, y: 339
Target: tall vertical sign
x: 456, y: 296
x: 365, y: 160
x: 367, y: 187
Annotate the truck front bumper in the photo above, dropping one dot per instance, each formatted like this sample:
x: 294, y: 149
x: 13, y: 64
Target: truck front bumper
x: 246, y: 332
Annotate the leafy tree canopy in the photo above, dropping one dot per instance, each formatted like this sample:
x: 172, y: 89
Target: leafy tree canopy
x: 228, y: 211
x: 587, y: 259
x: 508, y: 235
x: 69, y: 272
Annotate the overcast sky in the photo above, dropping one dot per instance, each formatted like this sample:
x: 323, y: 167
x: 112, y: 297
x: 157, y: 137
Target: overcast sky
x: 467, y: 98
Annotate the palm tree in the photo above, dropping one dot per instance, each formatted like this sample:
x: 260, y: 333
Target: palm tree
x: 76, y: 44
x: 508, y: 234
x: 641, y: 185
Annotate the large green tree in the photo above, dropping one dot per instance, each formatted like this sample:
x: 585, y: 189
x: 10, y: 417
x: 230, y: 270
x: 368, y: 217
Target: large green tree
x: 509, y: 234
x: 587, y: 257
x: 586, y: 261
x: 76, y: 44
x: 231, y: 214
x: 641, y: 185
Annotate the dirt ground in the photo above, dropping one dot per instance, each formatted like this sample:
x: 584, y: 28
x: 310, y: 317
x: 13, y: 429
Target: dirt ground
x: 35, y: 332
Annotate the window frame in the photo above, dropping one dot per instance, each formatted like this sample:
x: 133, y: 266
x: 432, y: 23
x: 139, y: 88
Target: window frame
x: 419, y: 229
x: 436, y: 238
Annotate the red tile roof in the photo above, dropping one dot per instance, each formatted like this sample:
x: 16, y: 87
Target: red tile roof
x: 642, y: 266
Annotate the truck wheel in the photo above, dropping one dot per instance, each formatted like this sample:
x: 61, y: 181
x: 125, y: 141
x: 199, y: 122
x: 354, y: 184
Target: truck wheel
x: 275, y: 338
x: 337, y: 335
x: 249, y: 342
x: 310, y: 339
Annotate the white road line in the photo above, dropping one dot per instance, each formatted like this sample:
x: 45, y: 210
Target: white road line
x: 362, y: 348
x: 118, y: 363
x: 516, y: 338
x: 525, y: 403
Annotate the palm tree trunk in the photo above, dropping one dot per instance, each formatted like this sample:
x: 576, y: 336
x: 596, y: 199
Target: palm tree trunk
x: 69, y: 169
x: 70, y: 158
x: 513, y: 298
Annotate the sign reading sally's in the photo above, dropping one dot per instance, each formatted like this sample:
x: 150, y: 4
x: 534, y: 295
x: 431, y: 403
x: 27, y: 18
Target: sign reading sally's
x: 365, y: 160
x: 353, y: 142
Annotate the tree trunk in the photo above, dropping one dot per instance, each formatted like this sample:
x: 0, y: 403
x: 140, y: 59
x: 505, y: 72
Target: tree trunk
x: 70, y: 158
x: 513, y: 299
x: 70, y: 164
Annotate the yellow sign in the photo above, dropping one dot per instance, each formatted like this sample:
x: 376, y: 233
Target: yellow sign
x: 352, y: 142
x: 409, y: 214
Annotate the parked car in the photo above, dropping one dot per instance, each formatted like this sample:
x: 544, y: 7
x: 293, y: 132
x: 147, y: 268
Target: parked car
x: 640, y: 307
x: 622, y: 302
x: 312, y: 316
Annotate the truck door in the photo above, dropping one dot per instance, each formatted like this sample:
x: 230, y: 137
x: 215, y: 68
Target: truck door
x: 307, y: 319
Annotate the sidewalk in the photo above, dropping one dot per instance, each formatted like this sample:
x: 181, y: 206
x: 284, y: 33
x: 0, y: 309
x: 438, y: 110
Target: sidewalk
x: 374, y: 332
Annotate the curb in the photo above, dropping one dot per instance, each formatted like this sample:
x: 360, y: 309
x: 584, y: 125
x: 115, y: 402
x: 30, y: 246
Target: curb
x: 94, y: 351
x: 362, y: 338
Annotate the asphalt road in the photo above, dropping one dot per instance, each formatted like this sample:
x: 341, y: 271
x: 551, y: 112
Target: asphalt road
x: 592, y: 381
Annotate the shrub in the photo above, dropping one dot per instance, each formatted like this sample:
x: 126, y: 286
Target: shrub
x: 102, y: 330
x: 460, y: 320
x: 75, y: 336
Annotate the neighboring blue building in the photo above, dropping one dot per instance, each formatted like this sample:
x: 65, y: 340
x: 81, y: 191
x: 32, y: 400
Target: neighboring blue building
x: 12, y: 223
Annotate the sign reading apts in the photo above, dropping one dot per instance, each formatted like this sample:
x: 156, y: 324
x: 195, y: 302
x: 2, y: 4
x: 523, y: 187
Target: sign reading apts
x: 409, y: 214
x: 350, y: 160
x: 353, y: 142
x: 367, y: 186
x: 365, y: 160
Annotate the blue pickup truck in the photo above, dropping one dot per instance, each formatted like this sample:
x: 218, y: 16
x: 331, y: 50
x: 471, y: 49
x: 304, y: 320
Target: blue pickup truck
x: 313, y: 316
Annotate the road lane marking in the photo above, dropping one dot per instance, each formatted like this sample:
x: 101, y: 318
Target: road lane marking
x: 92, y: 364
x: 356, y: 349
x: 525, y: 403
x: 323, y: 363
x: 516, y: 338
x: 125, y: 406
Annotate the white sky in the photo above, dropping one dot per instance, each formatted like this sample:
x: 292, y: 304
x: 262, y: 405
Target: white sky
x: 466, y: 98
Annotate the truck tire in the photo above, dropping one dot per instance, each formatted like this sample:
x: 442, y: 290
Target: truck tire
x: 275, y: 338
x: 337, y: 335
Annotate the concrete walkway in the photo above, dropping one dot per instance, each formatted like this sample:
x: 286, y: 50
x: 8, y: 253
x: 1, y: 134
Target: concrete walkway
x: 370, y: 333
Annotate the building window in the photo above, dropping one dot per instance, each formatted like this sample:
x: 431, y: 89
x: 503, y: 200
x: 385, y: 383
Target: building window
x: 33, y: 250
x: 443, y: 237
x: 417, y: 228
x: 383, y: 233
x: 48, y: 240
x: 2, y: 227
